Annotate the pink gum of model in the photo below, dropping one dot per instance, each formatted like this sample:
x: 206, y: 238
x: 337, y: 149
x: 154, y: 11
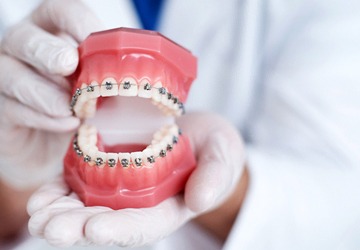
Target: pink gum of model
x: 120, y: 54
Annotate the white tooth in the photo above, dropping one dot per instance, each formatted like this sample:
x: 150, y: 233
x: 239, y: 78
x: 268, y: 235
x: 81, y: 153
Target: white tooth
x: 174, y: 130
x: 82, y: 141
x: 164, y: 100
x: 158, y: 135
x: 95, y: 93
x: 83, y: 130
x: 81, y: 101
x: 124, y: 157
x: 92, y: 139
x: 93, y: 151
x: 91, y: 129
x: 86, y: 148
x: 148, y: 152
x: 163, y: 145
x: 89, y: 108
x: 170, y: 112
x: 155, y: 94
x: 109, y: 87
x: 143, y: 92
x: 177, y: 113
x: 162, y: 107
x: 137, y: 159
x: 168, y: 139
x: 156, y: 149
x: 114, y: 157
x: 128, y: 87
x: 100, y: 155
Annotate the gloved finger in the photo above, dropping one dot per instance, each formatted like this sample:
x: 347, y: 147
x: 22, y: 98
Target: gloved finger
x: 42, y: 50
x: 31, y: 89
x: 67, y: 229
x: 220, y: 160
x: 15, y: 113
x: 40, y: 219
x: 69, y: 16
x: 47, y: 194
x: 137, y: 227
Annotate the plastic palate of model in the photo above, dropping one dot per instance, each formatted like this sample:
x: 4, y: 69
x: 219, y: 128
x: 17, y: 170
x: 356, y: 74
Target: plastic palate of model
x: 129, y: 87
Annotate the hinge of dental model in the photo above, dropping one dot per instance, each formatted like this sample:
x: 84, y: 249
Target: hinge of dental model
x: 125, y: 163
x: 126, y: 85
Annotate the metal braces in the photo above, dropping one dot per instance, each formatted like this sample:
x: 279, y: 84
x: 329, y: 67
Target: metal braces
x: 125, y: 163
x: 126, y: 85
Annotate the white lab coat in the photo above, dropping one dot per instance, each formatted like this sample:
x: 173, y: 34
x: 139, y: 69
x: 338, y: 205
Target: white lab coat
x: 287, y: 74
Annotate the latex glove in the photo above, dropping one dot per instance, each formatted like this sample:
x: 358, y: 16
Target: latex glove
x: 61, y: 218
x: 35, y: 120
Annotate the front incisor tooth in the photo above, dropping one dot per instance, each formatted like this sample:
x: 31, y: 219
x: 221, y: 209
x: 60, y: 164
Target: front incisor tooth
x: 124, y: 159
x: 112, y: 159
x: 145, y: 89
x: 128, y: 87
x: 109, y: 87
x: 155, y: 94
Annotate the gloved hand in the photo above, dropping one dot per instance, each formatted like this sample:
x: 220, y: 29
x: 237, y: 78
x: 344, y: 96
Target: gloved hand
x: 61, y: 218
x: 35, y: 120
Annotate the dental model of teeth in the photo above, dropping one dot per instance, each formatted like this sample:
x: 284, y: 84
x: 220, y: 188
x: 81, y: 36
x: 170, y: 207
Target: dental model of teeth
x: 130, y: 170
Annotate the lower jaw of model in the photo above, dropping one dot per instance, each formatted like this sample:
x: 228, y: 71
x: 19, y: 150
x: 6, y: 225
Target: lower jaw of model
x: 128, y: 152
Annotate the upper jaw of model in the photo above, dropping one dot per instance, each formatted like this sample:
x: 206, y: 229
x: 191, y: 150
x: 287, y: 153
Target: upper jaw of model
x: 146, y: 67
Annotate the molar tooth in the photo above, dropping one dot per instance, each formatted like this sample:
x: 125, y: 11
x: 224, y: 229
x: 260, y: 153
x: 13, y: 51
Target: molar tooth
x: 145, y: 89
x: 112, y: 159
x: 109, y: 87
x: 128, y: 87
x: 155, y: 93
x: 93, y: 90
x: 124, y: 159
x: 137, y: 159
